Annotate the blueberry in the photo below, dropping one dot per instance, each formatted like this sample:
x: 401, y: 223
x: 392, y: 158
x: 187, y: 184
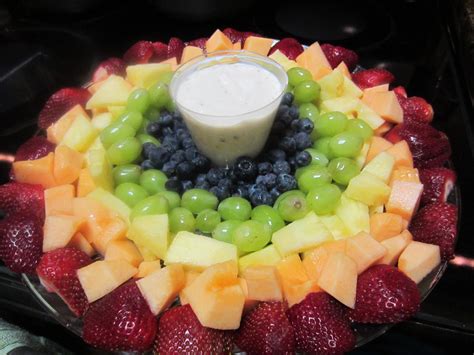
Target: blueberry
x: 278, y: 126
x: 292, y: 161
x: 269, y: 180
x: 203, y: 185
x: 152, y: 114
x: 153, y: 128
x: 174, y: 184
x: 282, y: 110
x: 191, y: 153
x: 147, y: 164
x: 214, y: 175
x: 287, y: 99
x: 242, y: 191
x: 303, y: 158
x: 187, y: 142
x: 169, y: 168
x: 166, y: 119
x: 147, y: 148
x: 178, y: 156
x: 254, y: 187
x: 274, y: 193
x: 166, y: 131
x: 200, y: 179
x: 281, y: 167
x: 286, y: 182
x: 288, y: 144
x: 264, y: 168
x: 295, y: 125
x: 187, y: 185
x: 303, y: 140
x: 159, y: 156
x: 220, y: 192
x: 171, y: 141
x: 245, y: 169
x: 293, y: 112
x: 177, y: 116
x: 276, y: 155
x: 306, y: 125
x: 225, y: 183
x: 261, y: 197
x: 184, y: 170
x: 200, y: 162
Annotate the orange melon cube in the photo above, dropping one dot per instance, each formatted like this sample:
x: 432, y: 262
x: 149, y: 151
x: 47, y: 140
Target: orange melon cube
x: 402, y: 154
x: 78, y: 241
x: 418, y: 260
x: 335, y: 246
x: 103, y: 276
x: 85, y: 183
x: 218, y: 41
x: 404, y: 198
x: 364, y: 250
x: 67, y: 164
x: 315, y: 61
x: 190, y: 52
x: 259, y: 45
x: 39, y: 171
x: 339, y: 278
x: 395, y: 246
x: 377, y: 146
x: 367, y: 92
x: 123, y: 249
x: 58, y: 200
x: 384, y: 103
x: 314, y: 261
x: 249, y: 303
x: 161, y: 287
x: 237, y: 46
x: 93, y: 212
x: 344, y: 70
x: 114, y: 229
x: 262, y: 283
x: 406, y: 174
x: 384, y: 128
x: 147, y: 267
x: 189, y: 277
x: 172, y: 61
x: 59, y: 230
x: 385, y: 225
x: 216, y: 296
x: 58, y: 129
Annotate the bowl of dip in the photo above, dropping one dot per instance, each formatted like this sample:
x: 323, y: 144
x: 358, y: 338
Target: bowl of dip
x: 228, y: 100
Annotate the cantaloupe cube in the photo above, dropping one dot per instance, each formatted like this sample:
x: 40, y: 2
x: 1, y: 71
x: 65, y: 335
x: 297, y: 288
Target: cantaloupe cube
x: 336, y: 226
x: 315, y: 61
x: 58, y: 231
x: 259, y: 45
x: 173, y: 62
x: 406, y: 174
x: 249, y: 303
x: 339, y: 278
x: 58, y: 200
x: 237, y: 46
x: 381, y: 166
x: 385, y: 225
x: 147, y: 267
x: 216, y: 296
x: 368, y: 189
x: 263, y: 283
x: 67, y: 164
x: 364, y: 250
x: 39, y: 171
x: 380, y: 131
x: 404, y: 198
x: 377, y: 145
x: 145, y: 75
x: 314, y: 261
x: 335, y: 246
x: 123, y: 249
x: 58, y: 129
x: 354, y: 214
x: 402, y: 154
x: 113, y: 92
x: 103, y: 276
x: 95, y: 214
x: 386, y: 104
x: 190, y: 52
x: 114, y: 229
x: 189, y: 277
x: 80, y: 242
x: 218, y: 42
x: 85, y: 183
x: 368, y: 115
x: 266, y: 256
x: 161, y: 287
x: 373, y: 89
x: 395, y: 246
x: 418, y: 260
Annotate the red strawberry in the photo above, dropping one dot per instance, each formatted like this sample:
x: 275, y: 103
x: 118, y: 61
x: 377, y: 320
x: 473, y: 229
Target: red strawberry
x: 430, y: 147
x: 179, y: 332
x: 61, y: 102
x: 321, y: 325
x: 34, y: 148
x: 139, y: 53
x: 384, y: 295
x: 236, y: 36
x: 121, y: 321
x: 266, y: 330
x: 175, y: 48
x: 289, y: 47
x: 57, y: 272
x: 372, y: 77
x: 16, y: 197
x: 160, y: 51
x: 108, y: 67
x: 437, y: 184
x: 21, y: 242
x: 436, y: 223
x: 337, y: 54
x: 198, y: 42
x: 415, y: 109
x: 400, y: 91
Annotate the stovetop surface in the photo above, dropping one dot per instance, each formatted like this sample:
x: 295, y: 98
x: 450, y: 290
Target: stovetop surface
x: 422, y: 42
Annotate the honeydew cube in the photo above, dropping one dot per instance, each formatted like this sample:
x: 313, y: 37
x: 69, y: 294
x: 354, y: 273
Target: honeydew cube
x: 395, y: 246
x: 114, y: 91
x: 218, y: 41
x: 354, y: 214
x: 346, y: 105
x: 283, y: 60
x: 418, y: 260
x: 331, y: 85
x: 381, y: 166
x: 147, y: 267
x: 100, y: 169
x: 262, y: 283
x: 368, y: 189
x: 266, y: 256
x: 59, y: 230
x: 259, y: 45
x: 102, y: 120
x: 58, y: 200
x: 336, y: 226
x: 303, y: 234
x: 197, y: 252
x: 152, y: 232
x: 56, y: 131
x: 145, y: 75
x: 146, y: 253
x: 364, y: 250
x: 112, y: 202
x: 80, y: 135
x: 123, y: 249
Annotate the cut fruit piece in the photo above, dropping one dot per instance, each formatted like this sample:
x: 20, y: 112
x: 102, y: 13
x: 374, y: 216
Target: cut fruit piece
x: 112, y: 202
x: 404, y: 198
x: 36, y: 172
x: 266, y: 256
x: 349, y: 88
x: 377, y: 145
x: 114, y: 91
x: 303, y: 234
x: 402, y: 154
x: 381, y: 166
x: 58, y: 200
x: 262, y: 283
x: 171, y: 61
x: 102, y: 120
x: 114, y: 229
x: 152, y: 232
x: 315, y: 61
x: 364, y: 250
x: 345, y: 71
x: 216, y: 296
x: 405, y: 174
x: 368, y: 115
x: 419, y: 259
x: 336, y: 226
x: 100, y: 169
x: 354, y: 214
x: 102, y: 277
x: 123, y: 249
x: 380, y: 132
x: 259, y: 45
x: 331, y: 85
x: 346, y: 105
x: 197, y: 252
x: 335, y: 246
x: 218, y: 41
x: 67, y: 165
x: 189, y: 277
x: 368, y: 189
x: 190, y: 52
x: 314, y: 261
x: 85, y: 183
x: 237, y: 46
x: 283, y: 60
x: 147, y: 267
x: 374, y: 89
x: 59, y: 230
x: 146, y: 254
x: 161, y: 287
x: 385, y: 104
x: 249, y: 303
x: 80, y: 135
x: 58, y: 129
x: 385, y: 225
x: 145, y: 75
x: 93, y: 212
x: 78, y: 241
x: 339, y: 278
x: 395, y: 246
x: 361, y: 158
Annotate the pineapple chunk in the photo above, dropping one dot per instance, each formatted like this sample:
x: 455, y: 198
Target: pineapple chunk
x: 354, y: 214
x: 368, y: 189
x: 336, y: 226
x: 381, y: 166
x: 266, y: 256
x: 113, y: 92
x: 145, y: 75
x: 151, y: 232
x: 283, y: 60
x: 100, y: 169
x: 80, y: 135
x: 347, y: 105
x: 331, y: 85
x: 362, y: 157
x: 350, y: 89
x: 112, y: 202
x: 102, y: 120
x: 368, y: 115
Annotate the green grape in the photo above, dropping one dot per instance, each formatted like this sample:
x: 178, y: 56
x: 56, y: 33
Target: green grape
x: 146, y: 138
x: 132, y: 118
x: 343, y: 170
x: 308, y: 110
x: 150, y: 205
x: 269, y: 216
x: 307, y: 91
x: 152, y: 114
x: 289, y: 88
x: 144, y: 125
x: 130, y: 193
x: 166, y: 77
x: 292, y: 206
x: 153, y: 181
x: 207, y: 220
x: 197, y: 200
x: 138, y: 100
x: 346, y: 145
x: 125, y: 151
x: 251, y: 236
x: 174, y: 200
x: 322, y: 145
x: 330, y: 123
x: 224, y: 230
x: 159, y: 95
x: 360, y: 128
x: 298, y: 75
x: 323, y: 199
x: 317, y: 158
x: 235, y: 208
x: 170, y: 106
x: 126, y: 173
x: 314, y: 176
x: 181, y: 219
x: 115, y: 132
